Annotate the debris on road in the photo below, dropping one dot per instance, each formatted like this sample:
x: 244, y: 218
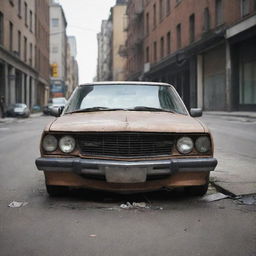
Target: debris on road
x: 92, y: 235
x: 247, y: 199
x: 134, y: 205
x: 16, y: 204
x: 214, y: 197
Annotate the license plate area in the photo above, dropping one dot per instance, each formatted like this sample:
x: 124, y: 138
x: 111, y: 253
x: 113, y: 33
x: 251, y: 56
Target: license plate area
x: 125, y: 174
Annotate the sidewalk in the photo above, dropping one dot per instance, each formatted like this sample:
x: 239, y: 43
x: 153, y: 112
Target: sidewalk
x: 8, y: 120
x: 233, y: 113
x: 236, y: 171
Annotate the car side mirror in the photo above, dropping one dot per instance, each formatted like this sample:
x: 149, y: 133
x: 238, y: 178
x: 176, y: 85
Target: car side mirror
x: 196, y: 112
x: 57, y: 111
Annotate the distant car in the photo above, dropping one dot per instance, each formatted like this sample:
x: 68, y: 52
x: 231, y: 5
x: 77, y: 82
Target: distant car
x: 18, y: 110
x: 126, y: 137
x: 54, y: 103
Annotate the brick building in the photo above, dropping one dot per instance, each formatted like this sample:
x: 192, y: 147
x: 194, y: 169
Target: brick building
x: 207, y: 50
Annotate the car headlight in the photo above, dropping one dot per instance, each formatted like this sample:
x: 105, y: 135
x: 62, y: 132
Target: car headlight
x: 203, y: 144
x: 67, y: 144
x: 50, y: 143
x: 185, y: 145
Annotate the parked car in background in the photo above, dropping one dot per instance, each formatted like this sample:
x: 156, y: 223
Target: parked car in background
x: 126, y: 137
x: 18, y: 110
x: 54, y: 103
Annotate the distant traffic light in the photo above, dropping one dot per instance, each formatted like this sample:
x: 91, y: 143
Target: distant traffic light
x: 54, y: 70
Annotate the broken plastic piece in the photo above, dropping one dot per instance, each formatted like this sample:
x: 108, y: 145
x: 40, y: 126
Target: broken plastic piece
x: 214, y: 197
x: 16, y: 204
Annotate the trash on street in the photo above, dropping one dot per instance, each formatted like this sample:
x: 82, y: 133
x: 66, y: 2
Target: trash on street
x: 214, y: 197
x: 16, y: 204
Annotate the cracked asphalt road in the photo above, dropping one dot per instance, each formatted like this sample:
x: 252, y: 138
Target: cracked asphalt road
x: 92, y: 223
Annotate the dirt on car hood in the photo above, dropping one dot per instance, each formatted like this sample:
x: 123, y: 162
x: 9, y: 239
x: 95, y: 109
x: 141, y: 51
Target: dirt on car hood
x: 138, y: 121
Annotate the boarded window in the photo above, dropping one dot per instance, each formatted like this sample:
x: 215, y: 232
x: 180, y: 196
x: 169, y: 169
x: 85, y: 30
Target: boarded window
x: 168, y: 43
x: 178, y: 32
x: 192, y: 28
x: 245, y: 7
x: 219, y: 12
x: 207, y: 23
x: 162, y: 47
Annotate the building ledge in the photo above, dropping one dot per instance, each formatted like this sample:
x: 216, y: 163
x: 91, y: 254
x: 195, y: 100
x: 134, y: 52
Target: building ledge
x: 241, y: 27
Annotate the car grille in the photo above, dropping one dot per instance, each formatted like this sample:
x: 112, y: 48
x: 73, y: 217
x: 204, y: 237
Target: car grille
x: 126, y: 144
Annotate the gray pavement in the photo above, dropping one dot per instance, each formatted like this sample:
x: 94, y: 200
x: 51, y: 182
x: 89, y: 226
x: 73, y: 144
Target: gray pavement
x: 235, y: 149
x: 92, y: 223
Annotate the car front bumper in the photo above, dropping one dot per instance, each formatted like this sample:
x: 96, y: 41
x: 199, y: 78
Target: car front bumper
x: 109, y: 168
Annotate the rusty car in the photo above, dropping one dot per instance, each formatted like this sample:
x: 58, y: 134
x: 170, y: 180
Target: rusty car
x: 126, y: 137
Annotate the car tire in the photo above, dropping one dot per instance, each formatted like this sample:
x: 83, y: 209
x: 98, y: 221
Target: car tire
x: 197, y: 190
x: 55, y: 191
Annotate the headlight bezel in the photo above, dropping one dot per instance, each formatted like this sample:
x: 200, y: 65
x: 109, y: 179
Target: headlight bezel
x: 61, y: 146
x: 189, y: 140
x: 208, y: 141
x: 54, y: 147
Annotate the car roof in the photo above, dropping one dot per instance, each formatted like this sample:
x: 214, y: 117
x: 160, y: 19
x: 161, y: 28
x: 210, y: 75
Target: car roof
x: 125, y: 83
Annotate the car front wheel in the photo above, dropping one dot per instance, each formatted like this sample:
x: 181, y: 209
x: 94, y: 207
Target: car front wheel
x: 56, y: 190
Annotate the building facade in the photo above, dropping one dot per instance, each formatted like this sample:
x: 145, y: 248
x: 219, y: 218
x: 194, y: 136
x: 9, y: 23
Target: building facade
x: 206, y: 51
x: 119, y: 36
x: 42, y: 50
x: 58, y: 50
x: 104, y: 62
x: 18, y: 74
x: 135, y: 40
x: 72, y: 66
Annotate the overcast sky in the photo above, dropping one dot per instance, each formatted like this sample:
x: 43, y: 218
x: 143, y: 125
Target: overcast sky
x: 84, y: 20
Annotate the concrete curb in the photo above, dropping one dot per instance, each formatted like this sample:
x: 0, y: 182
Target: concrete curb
x: 8, y: 120
x: 231, y: 114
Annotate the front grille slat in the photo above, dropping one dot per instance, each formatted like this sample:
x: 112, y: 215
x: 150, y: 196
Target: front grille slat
x: 125, y: 144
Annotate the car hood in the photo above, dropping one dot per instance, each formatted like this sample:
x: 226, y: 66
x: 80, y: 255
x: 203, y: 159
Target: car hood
x: 139, y: 121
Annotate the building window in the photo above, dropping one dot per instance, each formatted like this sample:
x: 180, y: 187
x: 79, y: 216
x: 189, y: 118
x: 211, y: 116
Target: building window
x: 55, y: 22
x: 30, y: 54
x: 168, y: 6
x: 25, y: 49
x: 178, y: 32
x: 192, y: 28
x: 55, y: 49
x: 147, y: 23
x: 30, y: 21
x: 162, y: 47
x: 219, y: 12
x: 19, y: 43
x: 19, y: 8
x: 26, y: 13
x: 168, y: 43
x: 161, y: 10
x: 207, y: 23
x: 245, y: 7
x: 147, y: 54
x: 154, y: 16
x: 1, y: 29
x: 155, y: 51
x: 10, y: 36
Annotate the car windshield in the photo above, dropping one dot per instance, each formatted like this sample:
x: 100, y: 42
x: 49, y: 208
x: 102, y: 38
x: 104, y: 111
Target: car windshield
x: 125, y: 97
x: 59, y: 101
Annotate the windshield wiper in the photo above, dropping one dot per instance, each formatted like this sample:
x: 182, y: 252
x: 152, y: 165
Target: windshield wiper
x: 93, y: 109
x: 144, y: 108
